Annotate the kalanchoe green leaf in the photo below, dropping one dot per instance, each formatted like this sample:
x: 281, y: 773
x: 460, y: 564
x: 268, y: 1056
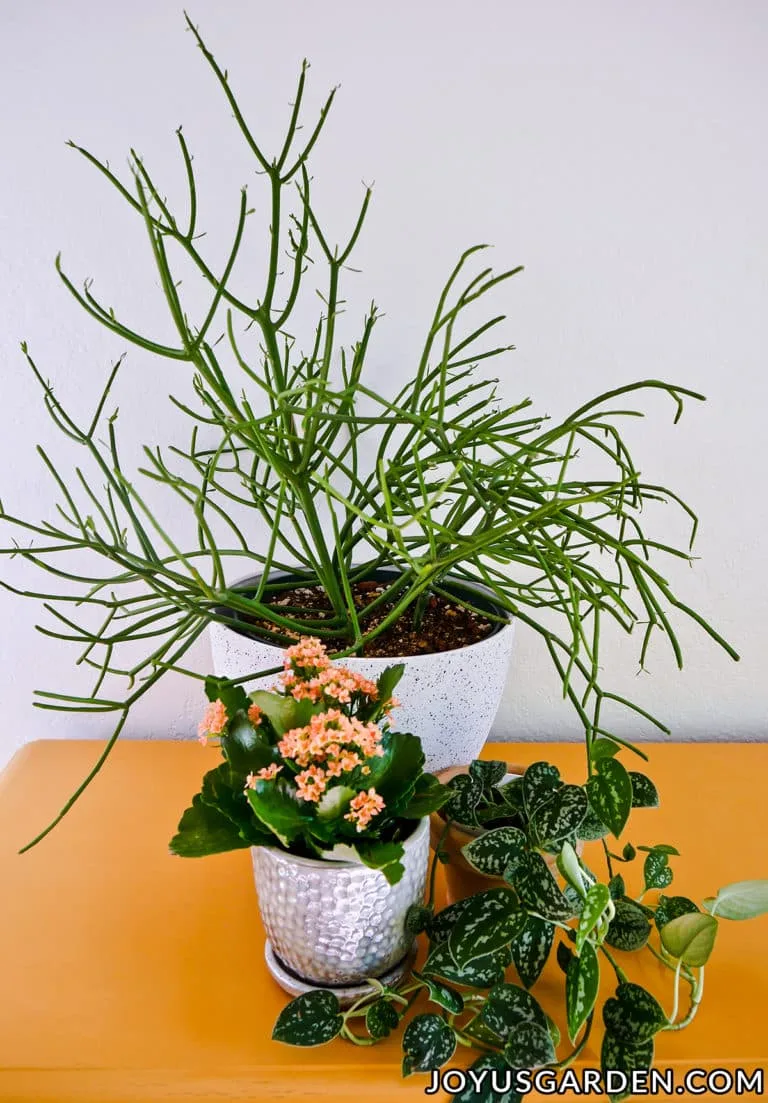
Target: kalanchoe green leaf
x: 530, y: 947
x: 442, y: 994
x: 618, y: 1056
x: 462, y: 806
x: 540, y: 781
x: 334, y: 803
x: 644, y: 792
x: 537, y: 888
x: 428, y: 796
x: 690, y: 937
x: 633, y: 1015
x: 670, y: 907
x: 741, y: 900
x: 481, y: 972
x: 283, y: 713
x: 310, y: 1020
x: 530, y: 1047
x: 381, y: 1018
x: 204, y: 830
x: 595, y: 903
x: 582, y: 982
x: 428, y: 1042
x: 386, y: 683
x: 245, y: 749
x: 219, y: 792
x: 234, y: 698
x: 385, y: 856
x: 560, y: 815
x: 488, y: 773
x: 488, y: 923
x: 610, y: 794
x: 629, y: 928
x: 492, y: 852
x: 656, y: 870
x: 278, y: 811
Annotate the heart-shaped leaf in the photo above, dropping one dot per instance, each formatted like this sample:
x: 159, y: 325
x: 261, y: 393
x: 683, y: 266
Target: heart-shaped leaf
x: 538, y: 890
x: 564, y: 956
x: 634, y: 1015
x: 529, y: 1047
x: 490, y: 1080
x: 670, y: 907
x: 441, y: 994
x: 530, y: 948
x: 481, y: 972
x: 656, y: 870
x: 492, y: 852
x: 310, y: 1020
x: 741, y: 900
x: 560, y: 815
x: 619, y: 1057
x: 428, y: 1042
x: 595, y: 903
x: 540, y: 781
x: 610, y: 794
x: 381, y: 1019
x: 581, y: 985
x: 488, y: 923
x: 466, y: 793
x: 603, y: 748
x: 591, y: 827
x: 616, y: 887
x: 442, y: 924
x: 644, y: 792
x: 629, y: 929
x: 428, y: 796
x: 507, y: 1007
x: 488, y: 773
x: 690, y: 937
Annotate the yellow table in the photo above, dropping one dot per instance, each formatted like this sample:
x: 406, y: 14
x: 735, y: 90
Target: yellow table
x: 131, y: 975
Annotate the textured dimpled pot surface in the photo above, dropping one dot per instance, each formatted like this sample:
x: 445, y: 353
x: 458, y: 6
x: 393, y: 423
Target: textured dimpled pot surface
x: 337, y: 923
x: 449, y: 699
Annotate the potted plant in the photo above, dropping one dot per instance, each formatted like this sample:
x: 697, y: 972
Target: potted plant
x: 418, y: 525
x: 334, y: 805
x: 589, y: 922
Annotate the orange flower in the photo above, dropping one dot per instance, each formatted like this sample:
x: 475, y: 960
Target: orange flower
x: 214, y: 721
x: 364, y: 807
x: 254, y: 715
x: 268, y: 773
x: 311, y: 783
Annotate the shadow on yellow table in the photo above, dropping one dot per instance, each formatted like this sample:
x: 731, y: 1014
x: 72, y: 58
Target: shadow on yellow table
x: 132, y: 975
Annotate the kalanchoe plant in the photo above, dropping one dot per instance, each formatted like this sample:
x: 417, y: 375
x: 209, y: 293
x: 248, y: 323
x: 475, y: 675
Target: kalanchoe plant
x: 541, y: 908
x: 312, y: 767
x: 443, y: 480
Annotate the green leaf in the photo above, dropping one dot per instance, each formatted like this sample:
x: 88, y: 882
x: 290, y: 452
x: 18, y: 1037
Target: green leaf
x: 604, y: 748
x: 310, y: 1020
x: 394, y: 776
x: 629, y: 929
x: 564, y: 956
x: 234, y: 698
x: 537, y: 888
x: 530, y: 1047
x: 660, y: 848
x: 507, y: 1007
x: 283, y: 713
x: 616, y: 887
x: 644, y: 792
x: 382, y: 855
x: 488, y: 773
x: 570, y: 868
x: 560, y: 815
x: 595, y: 903
x: 540, y: 781
x: 442, y: 994
x: 334, y: 802
x: 741, y: 900
x: 204, y: 830
x: 530, y: 948
x: 481, y: 972
x: 488, y: 923
x: 581, y: 985
x: 656, y: 871
x: 278, y: 811
x: 417, y: 918
x: 670, y: 907
x: 381, y: 1019
x: 219, y: 792
x: 610, y: 794
x: 428, y: 796
x: 466, y: 794
x: 591, y: 828
x: 492, y: 852
x: 489, y: 1063
x: 629, y: 853
x: 634, y: 1015
x: 244, y: 748
x: 511, y: 793
x: 387, y: 681
x: 690, y: 937
x: 617, y: 1056
x: 446, y: 919
x: 428, y: 1042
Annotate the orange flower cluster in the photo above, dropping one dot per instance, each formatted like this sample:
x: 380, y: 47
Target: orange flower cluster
x: 310, y: 675
x: 363, y: 808
x: 330, y: 745
x: 214, y: 721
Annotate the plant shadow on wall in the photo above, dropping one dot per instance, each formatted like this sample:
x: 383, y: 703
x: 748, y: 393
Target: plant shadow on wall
x: 441, y: 481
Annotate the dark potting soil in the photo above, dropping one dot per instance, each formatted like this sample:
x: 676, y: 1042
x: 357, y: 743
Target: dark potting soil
x: 445, y: 625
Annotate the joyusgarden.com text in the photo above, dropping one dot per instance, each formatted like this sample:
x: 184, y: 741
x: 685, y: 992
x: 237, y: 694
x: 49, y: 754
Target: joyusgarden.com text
x: 593, y: 1082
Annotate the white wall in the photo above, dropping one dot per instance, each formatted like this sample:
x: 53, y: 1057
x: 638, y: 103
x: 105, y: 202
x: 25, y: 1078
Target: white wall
x: 617, y: 150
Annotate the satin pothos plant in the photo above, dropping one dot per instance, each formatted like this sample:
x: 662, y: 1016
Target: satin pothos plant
x: 531, y: 913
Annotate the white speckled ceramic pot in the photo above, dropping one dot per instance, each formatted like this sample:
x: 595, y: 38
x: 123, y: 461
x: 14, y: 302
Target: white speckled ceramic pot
x: 449, y: 698
x: 336, y: 923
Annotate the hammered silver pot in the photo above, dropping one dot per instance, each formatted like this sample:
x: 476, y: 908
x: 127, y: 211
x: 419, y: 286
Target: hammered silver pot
x: 338, y: 923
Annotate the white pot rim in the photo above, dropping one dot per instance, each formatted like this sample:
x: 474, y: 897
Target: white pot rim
x: 422, y: 828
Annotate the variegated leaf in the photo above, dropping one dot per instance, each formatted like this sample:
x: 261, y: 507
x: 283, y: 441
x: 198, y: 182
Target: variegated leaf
x: 491, y: 852
x: 538, y: 890
x: 481, y: 972
x: 581, y: 985
x: 629, y: 927
x: 488, y: 923
x: 634, y: 1015
x: 595, y: 903
x: 531, y: 947
x: 540, y: 781
x: 428, y: 1042
x: 610, y: 794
